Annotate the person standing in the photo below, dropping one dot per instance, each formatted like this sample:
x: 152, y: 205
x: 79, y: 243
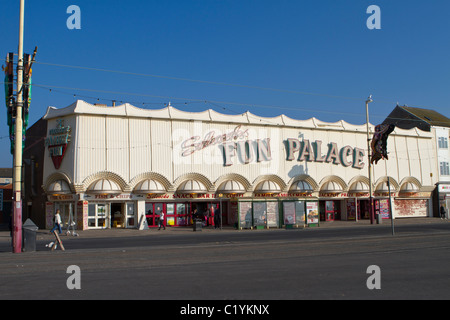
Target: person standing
x: 194, y: 215
x: 217, y: 218
x: 57, y: 220
x: 161, y: 220
x: 11, y: 224
x: 442, y: 212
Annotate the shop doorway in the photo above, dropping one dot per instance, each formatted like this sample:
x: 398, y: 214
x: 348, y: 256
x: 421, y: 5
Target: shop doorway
x: 123, y: 215
x: 130, y: 215
x: 97, y: 215
x: 153, y: 212
x: 116, y: 215
x: 66, y: 213
x: 363, y: 209
x: 200, y: 211
x: 358, y: 209
x: 210, y: 213
x: 175, y: 214
x: 329, y: 210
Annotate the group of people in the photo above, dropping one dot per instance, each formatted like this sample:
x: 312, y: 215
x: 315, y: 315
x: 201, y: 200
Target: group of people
x: 196, y: 215
x: 215, y: 213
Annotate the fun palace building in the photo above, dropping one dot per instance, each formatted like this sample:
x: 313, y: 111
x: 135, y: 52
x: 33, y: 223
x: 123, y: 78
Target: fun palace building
x: 121, y: 166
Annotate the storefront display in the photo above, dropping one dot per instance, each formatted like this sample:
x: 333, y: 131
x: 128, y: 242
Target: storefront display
x: 245, y: 215
x: 259, y: 214
x: 352, y: 209
x: 312, y: 213
x: 443, y: 196
x: 382, y: 207
x: 272, y: 214
x: 300, y: 213
x: 358, y: 209
x: 289, y: 213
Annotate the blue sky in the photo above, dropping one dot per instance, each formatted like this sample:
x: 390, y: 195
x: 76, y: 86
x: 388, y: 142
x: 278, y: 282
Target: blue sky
x: 299, y: 58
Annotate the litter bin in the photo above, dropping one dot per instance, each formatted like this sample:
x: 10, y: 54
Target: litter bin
x: 29, y: 236
x: 379, y: 218
x: 197, y: 225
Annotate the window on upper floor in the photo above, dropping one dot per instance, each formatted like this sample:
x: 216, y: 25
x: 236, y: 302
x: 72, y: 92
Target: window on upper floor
x: 443, y: 142
x: 444, y: 168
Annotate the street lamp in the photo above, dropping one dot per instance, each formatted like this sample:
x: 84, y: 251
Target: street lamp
x: 369, y: 100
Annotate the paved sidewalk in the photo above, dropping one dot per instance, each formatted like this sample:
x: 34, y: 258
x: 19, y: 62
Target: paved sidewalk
x: 108, y: 233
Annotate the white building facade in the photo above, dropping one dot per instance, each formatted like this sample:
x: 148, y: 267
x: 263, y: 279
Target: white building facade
x: 122, y: 166
x: 442, y: 135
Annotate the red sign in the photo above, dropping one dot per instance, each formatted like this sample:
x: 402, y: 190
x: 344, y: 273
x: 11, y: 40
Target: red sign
x: 194, y: 143
x: 57, y: 141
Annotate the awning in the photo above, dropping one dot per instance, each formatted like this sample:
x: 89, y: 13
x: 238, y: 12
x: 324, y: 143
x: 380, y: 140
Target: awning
x: 59, y: 187
x: 301, y: 186
x: 191, y: 186
x: 409, y: 187
x: 149, y: 186
x: 331, y: 187
x: 384, y: 188
x: 267, y: 187
x: 230, y: 187
x: 104, y: 186
x: 359, y: 187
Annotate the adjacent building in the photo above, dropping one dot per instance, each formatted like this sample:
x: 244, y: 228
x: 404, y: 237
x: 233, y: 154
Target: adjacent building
x: 121, y: 166
x: 5, y: 195
x: 439, y: 126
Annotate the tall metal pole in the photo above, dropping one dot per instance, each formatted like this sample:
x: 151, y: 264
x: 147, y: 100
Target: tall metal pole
x: 17, y: 172
x: 369, y: 163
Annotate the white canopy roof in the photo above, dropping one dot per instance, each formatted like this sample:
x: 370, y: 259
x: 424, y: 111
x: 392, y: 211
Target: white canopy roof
x: 191, y: 186
x: 149, y: 186
x: 169, y: 112
x: 103, y: 186
x: 231, y: 186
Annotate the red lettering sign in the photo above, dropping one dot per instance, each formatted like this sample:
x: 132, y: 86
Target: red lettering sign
x: 193, y: 144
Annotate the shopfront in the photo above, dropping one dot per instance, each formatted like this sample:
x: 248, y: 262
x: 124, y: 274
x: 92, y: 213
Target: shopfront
x: 97, y: 214
x: 358, y: 201
x: 330, y: 210
x: 103, y: 215
x: 358, y: 208
x: 412, y: 205
x: 443, y: 195
x: 66, y: 204
x: 381, y: 207
x: 303, y: 208
x: 182, y: 214
x: 100, y: 208
x: 288, y: 213
x: 60, y: 197
x: 274, y: 209
x: 332, y: 197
